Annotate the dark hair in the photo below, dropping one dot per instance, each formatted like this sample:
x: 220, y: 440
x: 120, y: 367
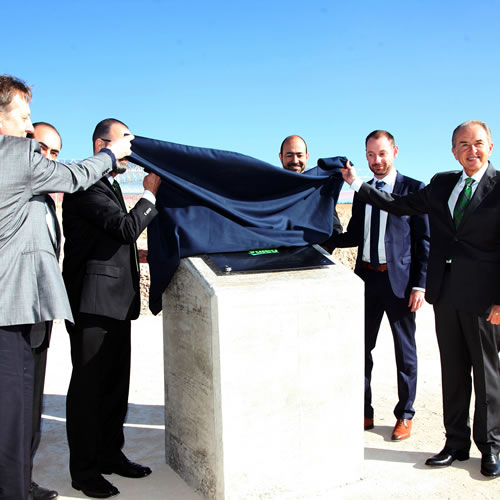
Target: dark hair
x: 9, y: 86
x: 45, y: 124
x: 377, y: 134
x: 102, y: 128
x: 291, y: 137
x: 467, y: 124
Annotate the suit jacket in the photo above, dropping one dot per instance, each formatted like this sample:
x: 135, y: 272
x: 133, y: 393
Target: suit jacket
x: 40, y: 333
x: 406, y: 241
x: 32, y: 287
x: 473, y: 247
x: 99, y: 267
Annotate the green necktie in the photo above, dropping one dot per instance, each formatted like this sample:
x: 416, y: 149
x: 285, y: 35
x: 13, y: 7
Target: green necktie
x: 118, y: 191
x: 463, y: 200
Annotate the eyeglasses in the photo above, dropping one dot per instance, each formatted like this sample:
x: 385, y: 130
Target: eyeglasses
x: 109, y: 140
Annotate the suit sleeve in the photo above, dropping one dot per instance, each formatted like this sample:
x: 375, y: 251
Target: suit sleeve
x: 49, y: 176
x: 416, y: 203
x: 353, y: 236
x: 420, y: 240
x: 337, y: 225
x: 97, y: 207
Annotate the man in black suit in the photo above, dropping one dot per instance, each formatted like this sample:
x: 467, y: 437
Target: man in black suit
x: 294, y: 157
x: 392, y: 261
x: 50, y: 146
x: 463, y: 284
x: 101, y: 273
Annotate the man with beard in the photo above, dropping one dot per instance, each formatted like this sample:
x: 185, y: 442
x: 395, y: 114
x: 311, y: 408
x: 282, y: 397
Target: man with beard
x: 294, y: 157
x: 392, y: 261
x: 101, y: 273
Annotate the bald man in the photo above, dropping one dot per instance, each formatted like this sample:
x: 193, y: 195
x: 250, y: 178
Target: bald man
x: 294, y: 156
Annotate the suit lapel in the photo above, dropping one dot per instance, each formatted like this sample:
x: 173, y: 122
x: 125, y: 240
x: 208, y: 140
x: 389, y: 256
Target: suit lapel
x: 398, y: 184
x: 52, y: 208
x: 109, y: 189
x: 443, y: 193
x: 483, y: 189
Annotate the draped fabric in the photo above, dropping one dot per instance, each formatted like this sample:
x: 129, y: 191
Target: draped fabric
x: 214, y: 201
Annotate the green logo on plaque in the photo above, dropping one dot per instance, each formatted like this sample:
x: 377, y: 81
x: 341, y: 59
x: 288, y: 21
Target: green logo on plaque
x: 263, y: 252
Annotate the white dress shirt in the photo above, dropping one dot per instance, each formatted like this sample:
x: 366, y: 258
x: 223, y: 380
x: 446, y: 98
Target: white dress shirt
x: 390, y: 180
x: 148, y: 195
x: 452, y: 201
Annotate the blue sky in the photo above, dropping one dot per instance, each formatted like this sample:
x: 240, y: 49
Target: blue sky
x: 241, y: 75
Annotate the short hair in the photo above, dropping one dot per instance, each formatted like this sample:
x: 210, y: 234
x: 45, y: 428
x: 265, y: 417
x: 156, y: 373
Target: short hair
x: 103, y: 127
x: 467, y: 124
x: 9, y: 87
x: 377, y: 134
x: 45, y: 124
x: 290, y: 137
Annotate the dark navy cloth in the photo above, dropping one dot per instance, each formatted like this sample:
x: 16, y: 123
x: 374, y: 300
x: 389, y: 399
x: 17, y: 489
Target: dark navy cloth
x: 213, y: 201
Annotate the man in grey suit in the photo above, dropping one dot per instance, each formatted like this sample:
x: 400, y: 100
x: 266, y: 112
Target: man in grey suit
x: 50, y: 143
x: 32, y: 287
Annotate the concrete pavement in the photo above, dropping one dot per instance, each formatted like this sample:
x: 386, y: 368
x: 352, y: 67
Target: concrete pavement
x: 391, y: 470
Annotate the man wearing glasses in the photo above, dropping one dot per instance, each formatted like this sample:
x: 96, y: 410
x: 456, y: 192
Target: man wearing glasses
x: 32, y: 287
x: 50, y: 143
x: 101, y: 273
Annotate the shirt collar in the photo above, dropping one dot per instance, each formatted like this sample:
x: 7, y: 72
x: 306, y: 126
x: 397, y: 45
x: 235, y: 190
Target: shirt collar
x: 477, y: 176
x: 389, y: 179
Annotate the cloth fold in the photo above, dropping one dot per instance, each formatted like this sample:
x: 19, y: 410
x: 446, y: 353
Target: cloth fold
x: 213, y: 201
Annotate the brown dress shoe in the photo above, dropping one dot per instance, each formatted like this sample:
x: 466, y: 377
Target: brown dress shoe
x: 402, y: 429
x: 368, y: 424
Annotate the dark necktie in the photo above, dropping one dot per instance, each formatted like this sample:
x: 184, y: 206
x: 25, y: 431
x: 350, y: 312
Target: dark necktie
x: 375, y: 231
x: 119, y: 195
x: 463, y: 200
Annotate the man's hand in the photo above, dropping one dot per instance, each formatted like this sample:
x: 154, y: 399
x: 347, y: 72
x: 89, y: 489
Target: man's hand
x: 416, y: 300
x: 348, y: 173
x: 152, y: 182
x: 494, y: 317
x: 121, y: 147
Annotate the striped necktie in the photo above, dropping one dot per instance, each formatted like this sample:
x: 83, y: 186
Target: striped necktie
x: 463, y: 200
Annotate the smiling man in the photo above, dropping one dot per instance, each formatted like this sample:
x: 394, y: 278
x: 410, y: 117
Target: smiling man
x: 33, y: 291
x: 463, y: 285
x: 392, y: 261
x: 294, y: 157
x: 293, y: 154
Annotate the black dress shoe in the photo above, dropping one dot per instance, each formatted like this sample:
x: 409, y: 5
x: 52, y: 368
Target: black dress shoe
x: 490, y: 465
x: 447, y: 456
x: 97, y: 487
x: 39, y: 493
x: 126, y: 468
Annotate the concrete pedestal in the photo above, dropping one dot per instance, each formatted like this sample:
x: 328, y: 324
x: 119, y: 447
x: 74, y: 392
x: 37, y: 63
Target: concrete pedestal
x: 264, y: 381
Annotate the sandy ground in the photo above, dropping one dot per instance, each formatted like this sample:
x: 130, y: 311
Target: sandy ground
x: 393, y: 470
